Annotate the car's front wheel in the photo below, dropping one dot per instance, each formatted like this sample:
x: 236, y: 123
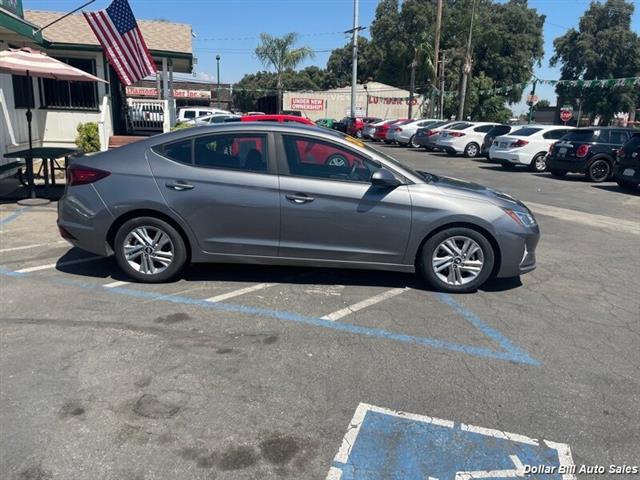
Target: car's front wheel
x: 457, y: 260
x: 149, y: 250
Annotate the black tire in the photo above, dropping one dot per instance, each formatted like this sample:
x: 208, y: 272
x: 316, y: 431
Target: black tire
x: 508, y: 165
x: 557, y: 173
x: 599, y: 170
x: 472, y: 150
x: 539, y: 163
x: 426, y: 268
x: 388, y: 142
x: 177, y: 263
x: 625, y: 185
x: 412, y: 142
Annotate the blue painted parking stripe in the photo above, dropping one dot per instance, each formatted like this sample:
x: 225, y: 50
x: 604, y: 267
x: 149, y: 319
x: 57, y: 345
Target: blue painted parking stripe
x: 13, y: 216
x: 510, y: 353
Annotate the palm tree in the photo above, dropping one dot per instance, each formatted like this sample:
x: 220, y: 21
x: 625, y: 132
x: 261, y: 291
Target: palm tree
x: 278, y: 53
x: 422, y: 54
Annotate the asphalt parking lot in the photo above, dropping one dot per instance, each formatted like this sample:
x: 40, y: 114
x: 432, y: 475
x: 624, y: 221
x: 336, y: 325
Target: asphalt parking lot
x: 244, y: 372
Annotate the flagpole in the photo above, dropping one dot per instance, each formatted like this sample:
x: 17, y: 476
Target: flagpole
x: 63, y: 17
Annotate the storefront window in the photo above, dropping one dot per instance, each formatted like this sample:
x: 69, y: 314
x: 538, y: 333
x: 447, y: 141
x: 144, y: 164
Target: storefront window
x: 71, y: 95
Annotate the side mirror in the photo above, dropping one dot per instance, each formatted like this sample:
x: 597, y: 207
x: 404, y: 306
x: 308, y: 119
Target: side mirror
x: 384, y: 178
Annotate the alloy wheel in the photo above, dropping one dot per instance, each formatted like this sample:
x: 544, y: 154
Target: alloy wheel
x: 413, y: 143
x: 472, y: 150
x: 148, y: 250
x: 599, y: 171
x: 458, y: 260
x: 540, y: 163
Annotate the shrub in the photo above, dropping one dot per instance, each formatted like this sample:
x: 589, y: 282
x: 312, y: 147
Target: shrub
x: 181, y: 126
x: 88, y: 139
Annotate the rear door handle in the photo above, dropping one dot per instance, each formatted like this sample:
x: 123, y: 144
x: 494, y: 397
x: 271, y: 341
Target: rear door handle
x: 299, y: 198
x: 179, y: 186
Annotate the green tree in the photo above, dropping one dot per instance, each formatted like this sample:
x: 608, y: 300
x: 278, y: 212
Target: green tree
x: 544, y: 103
x: 603, y: 47
x: 339, y: 63
x: 279, y: 53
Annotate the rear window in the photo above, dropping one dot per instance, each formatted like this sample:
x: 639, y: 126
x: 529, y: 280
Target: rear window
x: 581, y: 136
x: 459, y: 126
x: 526, y: 132
x: 499, y: 130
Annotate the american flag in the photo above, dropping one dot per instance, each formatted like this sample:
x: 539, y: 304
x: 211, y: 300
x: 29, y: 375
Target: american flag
x: 118, y: 33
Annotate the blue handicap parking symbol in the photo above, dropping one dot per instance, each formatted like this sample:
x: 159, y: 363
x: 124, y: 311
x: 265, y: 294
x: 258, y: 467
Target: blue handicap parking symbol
x: 385, y: 445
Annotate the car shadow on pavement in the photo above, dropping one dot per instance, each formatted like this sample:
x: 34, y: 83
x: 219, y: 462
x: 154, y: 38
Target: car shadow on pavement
x: 500, y: 168
x: 106, y: 268
x: 616, y: 189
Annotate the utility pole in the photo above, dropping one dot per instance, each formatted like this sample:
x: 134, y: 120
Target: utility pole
x: 443, y: 61
x: 354, y: 58
x: 532, y: 99
x: 412, y: 88
x: 436, y: 52
x: 466, y: 69
x: 218, y: 88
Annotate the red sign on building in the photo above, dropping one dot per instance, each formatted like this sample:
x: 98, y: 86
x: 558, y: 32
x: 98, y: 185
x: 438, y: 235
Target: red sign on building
x: 307, y: 104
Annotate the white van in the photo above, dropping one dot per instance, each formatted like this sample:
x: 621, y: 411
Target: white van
x: 189, y: 113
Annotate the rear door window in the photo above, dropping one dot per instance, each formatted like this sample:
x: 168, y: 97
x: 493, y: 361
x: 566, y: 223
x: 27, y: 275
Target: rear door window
x: 459, y: 126
x: 231, y: 151
x: 483, y: 128
x: 179, y: 151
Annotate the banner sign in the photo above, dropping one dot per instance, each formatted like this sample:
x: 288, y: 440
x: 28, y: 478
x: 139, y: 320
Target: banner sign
x: 392, y: 100
x: 307, y: 104
x: 177, y: 93
x: 13, y: 6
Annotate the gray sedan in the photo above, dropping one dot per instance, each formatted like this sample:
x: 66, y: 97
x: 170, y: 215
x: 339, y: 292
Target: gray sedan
x: 292, y: 195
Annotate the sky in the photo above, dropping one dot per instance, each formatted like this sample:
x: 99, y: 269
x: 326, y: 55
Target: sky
x: 230, y: 28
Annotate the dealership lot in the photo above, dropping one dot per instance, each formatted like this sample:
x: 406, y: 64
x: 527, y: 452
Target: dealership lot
x: 259, y: 372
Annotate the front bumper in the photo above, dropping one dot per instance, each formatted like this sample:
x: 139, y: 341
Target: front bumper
x: 518, y: 252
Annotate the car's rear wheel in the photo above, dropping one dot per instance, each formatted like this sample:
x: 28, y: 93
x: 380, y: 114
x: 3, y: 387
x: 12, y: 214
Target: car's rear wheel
x: 457, y: 260
x: 471, y: 150
x: 539, y: 163
x: 557, y: 173
x: 599, y: 170
x: 412, y: 142
x: 150, y: 250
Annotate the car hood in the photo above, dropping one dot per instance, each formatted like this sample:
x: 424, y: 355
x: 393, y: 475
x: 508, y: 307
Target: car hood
x: 463, y: 188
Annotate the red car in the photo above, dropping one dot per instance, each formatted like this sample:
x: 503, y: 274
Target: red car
x: 276, y: 118
x: 381, y: 130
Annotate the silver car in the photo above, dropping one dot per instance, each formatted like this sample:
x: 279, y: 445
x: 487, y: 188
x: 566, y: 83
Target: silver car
x: 292, y: 195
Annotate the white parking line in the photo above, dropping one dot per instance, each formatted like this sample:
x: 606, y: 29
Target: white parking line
x: 364, y: 304
x: 115, y: 284
x: 589, y: 219
x: 241, y: 291
x: 61, y: 264
x: 26, y: 247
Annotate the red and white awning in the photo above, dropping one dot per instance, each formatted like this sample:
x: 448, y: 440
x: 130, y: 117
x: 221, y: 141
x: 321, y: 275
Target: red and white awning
x: 25, y: 61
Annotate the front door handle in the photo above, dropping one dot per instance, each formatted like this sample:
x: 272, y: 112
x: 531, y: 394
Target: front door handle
x: 299, y: 198
x: 179, y: 186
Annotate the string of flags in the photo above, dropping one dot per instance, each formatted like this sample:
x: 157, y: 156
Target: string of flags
x: 601, y: 83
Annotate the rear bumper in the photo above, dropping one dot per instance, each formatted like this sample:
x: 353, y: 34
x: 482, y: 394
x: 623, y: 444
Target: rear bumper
x: 518, y: 158
x: 449, y: 147
x: 563, y: 165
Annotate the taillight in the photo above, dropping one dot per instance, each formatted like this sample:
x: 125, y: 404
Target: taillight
x: 620, y: 153
x: 80, y: 175
x: 582, y: 151
x: 429, y: 133
x: 519, y: 143
x: 456, y: 134
x: 398, y: 129
x: 64, y: 233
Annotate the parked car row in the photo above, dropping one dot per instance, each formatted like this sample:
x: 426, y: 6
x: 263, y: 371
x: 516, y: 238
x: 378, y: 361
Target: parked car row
x: 601, y: 153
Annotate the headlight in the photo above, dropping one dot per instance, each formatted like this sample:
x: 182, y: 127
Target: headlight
x: 522, y: 218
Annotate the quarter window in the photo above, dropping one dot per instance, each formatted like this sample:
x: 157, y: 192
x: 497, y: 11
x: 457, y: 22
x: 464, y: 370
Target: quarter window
x: 319, y: 159
x: 231, y: 151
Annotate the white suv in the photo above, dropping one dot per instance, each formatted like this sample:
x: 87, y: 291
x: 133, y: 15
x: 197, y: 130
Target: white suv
x: 465, y: 138
x: 527, y: 146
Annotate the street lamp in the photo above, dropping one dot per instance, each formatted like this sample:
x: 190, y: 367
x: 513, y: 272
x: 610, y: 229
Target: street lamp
x: 218, y: 89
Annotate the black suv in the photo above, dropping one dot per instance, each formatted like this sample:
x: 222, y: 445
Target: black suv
x: 626, y: 171
x: 591, y: 151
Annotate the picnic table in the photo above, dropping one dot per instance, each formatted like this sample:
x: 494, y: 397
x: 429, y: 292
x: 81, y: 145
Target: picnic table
x: 50, y: 164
